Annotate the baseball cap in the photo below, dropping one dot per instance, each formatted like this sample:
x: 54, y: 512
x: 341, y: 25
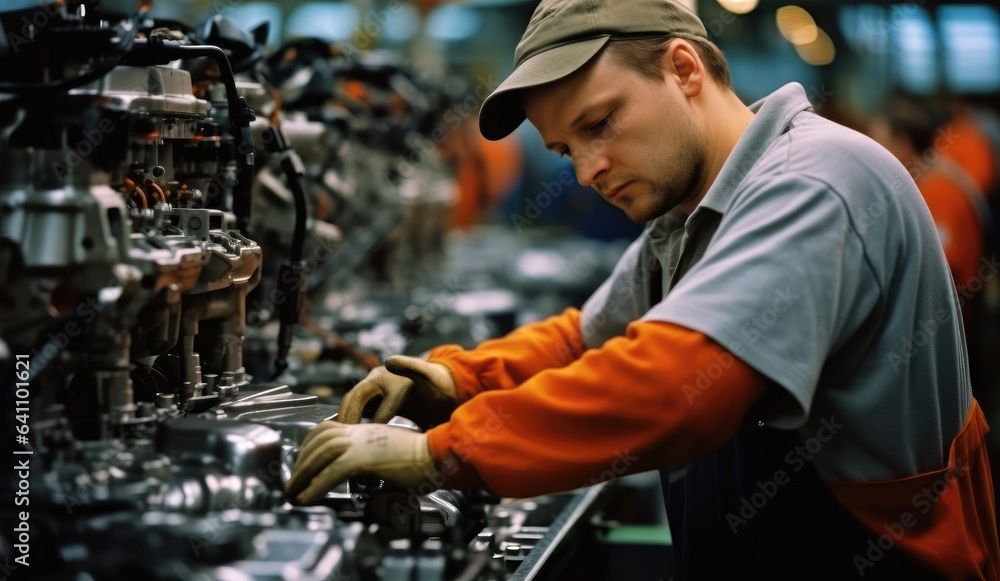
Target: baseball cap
x: 563, y: 35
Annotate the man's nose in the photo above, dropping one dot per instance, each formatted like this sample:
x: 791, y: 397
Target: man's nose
x: 592, y: 168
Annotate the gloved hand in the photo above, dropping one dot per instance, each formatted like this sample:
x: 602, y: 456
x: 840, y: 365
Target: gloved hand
x: 419, y: 390
x: 333, y: 452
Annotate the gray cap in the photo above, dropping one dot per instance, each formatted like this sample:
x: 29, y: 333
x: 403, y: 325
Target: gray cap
x: 563, y: 35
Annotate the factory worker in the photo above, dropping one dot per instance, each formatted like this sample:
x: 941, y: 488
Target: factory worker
x: 783, y: 341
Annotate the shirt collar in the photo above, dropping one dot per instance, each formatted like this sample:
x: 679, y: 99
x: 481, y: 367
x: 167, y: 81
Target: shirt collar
x: 772, y: 116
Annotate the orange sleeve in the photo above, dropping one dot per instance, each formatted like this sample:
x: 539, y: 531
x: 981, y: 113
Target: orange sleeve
x: 626, y: 407
x: 509, y: 361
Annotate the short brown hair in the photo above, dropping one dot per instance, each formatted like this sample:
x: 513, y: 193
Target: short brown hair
x: 643, y: 56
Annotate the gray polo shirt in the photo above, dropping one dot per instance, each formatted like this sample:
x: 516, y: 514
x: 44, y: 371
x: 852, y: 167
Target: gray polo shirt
x: 814, y: 260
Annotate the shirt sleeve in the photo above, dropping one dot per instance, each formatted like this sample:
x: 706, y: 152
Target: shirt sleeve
x: 636, y: 404
x: 783, y: 284
x: 509, y: 361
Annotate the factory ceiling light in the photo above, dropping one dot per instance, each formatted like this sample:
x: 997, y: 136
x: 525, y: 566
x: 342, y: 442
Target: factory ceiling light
x: 797, y: 25
x: 819, y: 52
x: 739, y: 6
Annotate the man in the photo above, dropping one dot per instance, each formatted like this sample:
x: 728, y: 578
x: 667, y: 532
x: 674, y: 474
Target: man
x: 797, y: 361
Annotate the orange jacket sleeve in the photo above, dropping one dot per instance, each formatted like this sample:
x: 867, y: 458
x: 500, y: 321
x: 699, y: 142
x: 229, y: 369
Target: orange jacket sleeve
x: 511, y: 360
x: 626, y: 407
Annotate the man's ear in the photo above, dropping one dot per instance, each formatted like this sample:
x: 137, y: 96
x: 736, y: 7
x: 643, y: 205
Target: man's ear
x: 682, y: 64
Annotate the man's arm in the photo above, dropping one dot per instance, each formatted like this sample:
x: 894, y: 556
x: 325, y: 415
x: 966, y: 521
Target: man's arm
x: 428, y: 391
x: 632, y: 405
x: 511, y: 360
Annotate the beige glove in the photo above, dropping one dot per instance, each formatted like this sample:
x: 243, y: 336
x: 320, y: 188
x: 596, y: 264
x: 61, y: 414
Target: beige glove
x: 409, y: 386
x: 333, y: 452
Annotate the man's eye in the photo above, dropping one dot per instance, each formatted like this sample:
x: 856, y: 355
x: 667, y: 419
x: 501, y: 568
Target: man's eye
x: 602, y: 124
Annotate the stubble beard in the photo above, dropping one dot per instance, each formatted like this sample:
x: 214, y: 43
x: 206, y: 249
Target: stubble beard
x: 671, y: 188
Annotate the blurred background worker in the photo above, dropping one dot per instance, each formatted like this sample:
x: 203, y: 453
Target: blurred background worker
x: 956, y: 200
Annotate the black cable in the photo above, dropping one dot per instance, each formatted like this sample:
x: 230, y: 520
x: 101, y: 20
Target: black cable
x: 292, y: 275
x: 99, y: 70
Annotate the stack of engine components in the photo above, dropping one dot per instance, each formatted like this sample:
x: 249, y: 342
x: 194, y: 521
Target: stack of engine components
x: 163, y: 223
x: 374, y: 180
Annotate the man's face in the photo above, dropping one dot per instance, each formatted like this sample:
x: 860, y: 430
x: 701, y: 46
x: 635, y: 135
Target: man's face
x: 632, y: 139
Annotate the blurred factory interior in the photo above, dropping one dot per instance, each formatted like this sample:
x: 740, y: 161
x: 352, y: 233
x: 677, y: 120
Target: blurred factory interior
x: 235, y: 302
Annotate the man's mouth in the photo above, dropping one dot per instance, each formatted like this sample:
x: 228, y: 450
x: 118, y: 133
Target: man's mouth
x: 613, y: 193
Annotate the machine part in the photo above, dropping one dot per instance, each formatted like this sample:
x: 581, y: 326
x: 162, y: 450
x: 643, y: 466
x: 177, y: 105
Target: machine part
x: 126, y: 267
x: 156, y: 50
x: 548, y: 554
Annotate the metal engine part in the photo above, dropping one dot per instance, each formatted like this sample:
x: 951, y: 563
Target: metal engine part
x: 146, y: 448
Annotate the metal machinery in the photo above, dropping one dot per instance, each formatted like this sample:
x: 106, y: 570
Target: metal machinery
x: 158, y: 239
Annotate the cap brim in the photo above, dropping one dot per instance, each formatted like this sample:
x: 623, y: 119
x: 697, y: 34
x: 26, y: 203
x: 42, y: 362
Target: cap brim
x: 501, y: 113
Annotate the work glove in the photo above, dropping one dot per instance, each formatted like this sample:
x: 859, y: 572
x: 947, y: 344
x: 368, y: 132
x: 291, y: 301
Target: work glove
x: 333, y: 452
x: 409, y: 386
